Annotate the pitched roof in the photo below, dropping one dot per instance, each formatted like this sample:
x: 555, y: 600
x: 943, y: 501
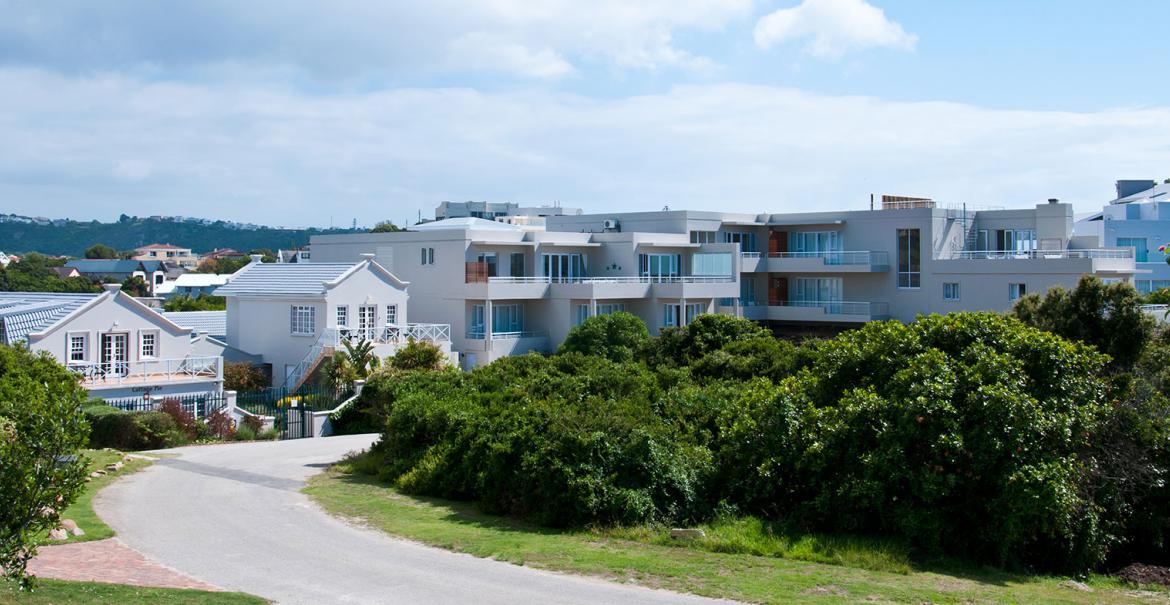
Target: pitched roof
x: 104, y: 265
x: 161, y: 247
x: 283, y: 278
x: 24, y: 313
x: 214, y: 323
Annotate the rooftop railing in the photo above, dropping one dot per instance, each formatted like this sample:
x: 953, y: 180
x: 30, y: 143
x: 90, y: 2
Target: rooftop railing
x: 148, y: 370
x: 839, y: 257
x: 1118, y: 253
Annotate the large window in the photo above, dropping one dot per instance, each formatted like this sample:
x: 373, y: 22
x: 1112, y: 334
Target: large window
x: 817, y: 290
x: 582, y: 315
x: 745, y: 239
x: 694, y: 310
x: 567, y: 267
x: 1015, y: 240
x: 78, y: 347
x: 670, y: 316
x: 658, y: 266
x: 367, y: 318
x: 1141, y: 252
x: 909, y: 258
x: 704, y: 263
x: 1145, y: 286
x: 1017, y: 291
x: 505, y: 318
x: 816, y: 241
x: 489, y: 259
x: 607, y: 308
x: 303, y: 321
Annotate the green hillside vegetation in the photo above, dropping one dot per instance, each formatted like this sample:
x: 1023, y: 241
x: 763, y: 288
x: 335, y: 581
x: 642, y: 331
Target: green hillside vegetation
x: 73, y: 237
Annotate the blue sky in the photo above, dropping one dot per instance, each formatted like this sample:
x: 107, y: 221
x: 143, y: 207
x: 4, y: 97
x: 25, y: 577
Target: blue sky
x: 294, y: 112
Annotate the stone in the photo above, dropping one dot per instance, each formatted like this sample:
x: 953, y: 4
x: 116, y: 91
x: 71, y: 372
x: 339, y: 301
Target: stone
x: 58, y: 535
x: 77, y: 531
x: 1077, y: 586
x: 69, y: 524
x: 687, y: 534
x: 97, y: 474
x: 48, y: 511
x: 115, y: 467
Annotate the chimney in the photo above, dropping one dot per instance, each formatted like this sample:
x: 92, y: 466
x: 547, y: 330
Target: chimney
x: 257, y: 257
x: 111, y: 287
x: 1053, y: 200
x: 367, y: 256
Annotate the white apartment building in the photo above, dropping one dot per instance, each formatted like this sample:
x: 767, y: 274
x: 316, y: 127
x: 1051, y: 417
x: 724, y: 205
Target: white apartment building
x: 507, y: 290
x: 119, y: 347
x: 295, y: 315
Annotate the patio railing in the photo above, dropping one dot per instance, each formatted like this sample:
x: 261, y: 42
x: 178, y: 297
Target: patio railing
x: 148, y: 370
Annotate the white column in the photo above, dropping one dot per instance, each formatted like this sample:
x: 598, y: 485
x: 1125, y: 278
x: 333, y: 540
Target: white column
x: 682, y: 312
x: 487, y: 324
x: 593, y: 307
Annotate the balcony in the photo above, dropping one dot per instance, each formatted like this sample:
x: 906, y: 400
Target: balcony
x: 860, y: 261
x: 752, y: 262
x: 392, y: 334
x: 149, y: 372
x: 1107, y: 261
x: 508, y: 343
x: 819, y: 311
x: 1106, y: 253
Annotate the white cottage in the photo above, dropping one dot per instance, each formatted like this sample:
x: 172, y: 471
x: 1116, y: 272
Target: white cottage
x: 294, y: 315
x: 119, y: 346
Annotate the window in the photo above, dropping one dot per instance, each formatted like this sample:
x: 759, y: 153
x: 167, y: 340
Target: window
x: 1133, y: 212
x: 1146, y: 286
x: 746, y: 240
x: 694, y: 310
x: 304, y: 256
x: 505, y: 318
x: 606, y: 309
x: 78, y: 347
x: 711, y: 264
x: 703, y: 237
x: 658, y: 266
x: 951, y: 291
x: 424, y: 256
x: 343, y: 316
x: 148, y: 344
x: 1141, y: 252
x: 303, y: 321
x: 909, y: 258
x: 516, y: 264
x: 428, y: 256
x: 391, y: 315
x: 813, y: 291
x: 816, y: 241
x: 366, y: 320
x: 1015, y: 240
x: 489, y: 259
x: 582, y: 315
x: 1016, y: 291
x: 564, y: 267
x: 670, y: 316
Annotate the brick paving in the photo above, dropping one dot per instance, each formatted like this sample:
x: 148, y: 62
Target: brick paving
x: 107, y: 561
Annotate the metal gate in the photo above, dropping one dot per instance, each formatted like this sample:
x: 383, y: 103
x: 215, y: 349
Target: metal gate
x: 294, y: 422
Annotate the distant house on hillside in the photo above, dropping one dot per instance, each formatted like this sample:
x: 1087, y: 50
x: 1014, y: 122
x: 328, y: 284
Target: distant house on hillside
x: 219, y: 253
x: 300, y: 255
x: 154, y: 273
x: 166, y: 252
x: 117, y: 345
x: 65, y: 272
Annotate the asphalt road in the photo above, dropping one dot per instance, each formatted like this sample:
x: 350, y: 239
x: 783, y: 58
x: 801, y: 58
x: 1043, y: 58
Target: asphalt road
x: 234, y: 516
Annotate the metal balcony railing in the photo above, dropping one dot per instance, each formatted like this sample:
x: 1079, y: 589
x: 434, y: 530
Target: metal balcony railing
x: 838, y: 257
x: 838, y: 307
x: 480, y: 335
x: 1117, y: 253
x: 750, y: 254
x: 148, y: 370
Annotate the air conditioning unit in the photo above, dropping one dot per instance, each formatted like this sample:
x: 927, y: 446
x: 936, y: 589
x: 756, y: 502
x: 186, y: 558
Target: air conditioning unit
x: 610, y: 223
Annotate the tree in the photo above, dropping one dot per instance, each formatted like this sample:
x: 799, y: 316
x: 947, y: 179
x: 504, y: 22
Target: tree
x: 386, y: 227
x: 201, y: 303
x: 135, y: 286
x: 100, y: 251
x: 418, y: 355
x: 41, y: 426
x: 360, y: 357
x: 1107, y: 316
x: 339, y: 372
x: 243, y: 377
x: 615, y: 336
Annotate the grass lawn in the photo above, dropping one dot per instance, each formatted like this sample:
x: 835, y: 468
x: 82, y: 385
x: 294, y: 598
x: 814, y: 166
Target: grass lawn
x: 788, y: 570
x: 81, y: 510
x: 56, y: 592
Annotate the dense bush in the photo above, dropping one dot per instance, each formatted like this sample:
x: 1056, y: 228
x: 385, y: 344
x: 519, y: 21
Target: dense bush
x: 615, y: 336
x: 969, y: 434
x: 118, y: 429
x: 41, y: 425
x: 244, y: 377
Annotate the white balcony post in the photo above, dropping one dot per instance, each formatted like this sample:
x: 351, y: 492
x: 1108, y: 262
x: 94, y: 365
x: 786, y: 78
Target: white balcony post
x: 593, y: 307
x: 682, y: 312
x: 487, y: 324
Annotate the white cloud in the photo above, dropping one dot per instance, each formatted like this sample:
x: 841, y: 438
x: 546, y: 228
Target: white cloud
x: 358, y: 39
x: 835, y: 26
x: 274, y: 155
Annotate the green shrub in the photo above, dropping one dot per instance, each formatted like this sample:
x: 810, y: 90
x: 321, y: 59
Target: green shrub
x: 157, y: 430
x: 418, y: 355
x: 245, y: 433
x: 616, y: 336
x: 111, y: 427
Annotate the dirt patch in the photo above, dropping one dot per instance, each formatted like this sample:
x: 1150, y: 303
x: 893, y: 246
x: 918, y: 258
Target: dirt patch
x: 1145, y: 574
x: 827, y: 590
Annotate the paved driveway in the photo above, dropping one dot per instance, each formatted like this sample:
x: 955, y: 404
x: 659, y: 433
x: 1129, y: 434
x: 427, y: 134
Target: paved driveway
x: 233, y: 516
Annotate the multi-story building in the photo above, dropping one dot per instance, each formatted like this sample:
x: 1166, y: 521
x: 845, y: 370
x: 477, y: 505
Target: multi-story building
x: 907, y: 257
x: 504, y: 212
x: 507, y: 290
x: 1139, y: 218
x: 178, y: 255
x: 118, y: 346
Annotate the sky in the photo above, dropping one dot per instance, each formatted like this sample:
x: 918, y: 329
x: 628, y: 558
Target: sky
x: 299, y: 113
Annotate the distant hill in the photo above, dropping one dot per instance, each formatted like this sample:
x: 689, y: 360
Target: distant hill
x: 22, y: 234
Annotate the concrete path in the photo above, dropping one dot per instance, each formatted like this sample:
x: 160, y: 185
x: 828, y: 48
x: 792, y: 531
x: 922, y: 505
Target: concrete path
x: 233, y: 516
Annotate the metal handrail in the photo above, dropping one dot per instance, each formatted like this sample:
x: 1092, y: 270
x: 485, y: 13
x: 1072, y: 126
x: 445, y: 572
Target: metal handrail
x: 750, y: 254
x: 479, y: 335
x: 840, y: 257
x: 837, y: 307
x: 119, y: 372
x: 1122, y: 253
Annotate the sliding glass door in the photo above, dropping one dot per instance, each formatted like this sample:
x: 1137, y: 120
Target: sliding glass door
x: 564, y: 267
x: 659, y: 267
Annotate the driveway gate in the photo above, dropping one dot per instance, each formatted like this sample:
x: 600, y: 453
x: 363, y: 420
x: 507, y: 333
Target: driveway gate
x: 292, y: 411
